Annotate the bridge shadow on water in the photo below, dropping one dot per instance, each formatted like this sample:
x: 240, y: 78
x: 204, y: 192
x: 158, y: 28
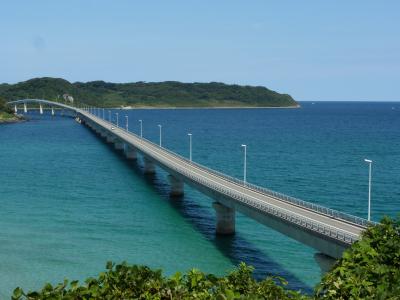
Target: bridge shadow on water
x: 234, y: 247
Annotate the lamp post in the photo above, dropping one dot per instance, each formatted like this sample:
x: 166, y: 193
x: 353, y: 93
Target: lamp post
x: 109, y: 116
x: 160, y: 134
x: 141, y: 128
x: 126, y: 116
x: 245, y: 164
x: 369, y: 187
x: 103, y: 113
x: 190, y: 146
x: 117, y: 118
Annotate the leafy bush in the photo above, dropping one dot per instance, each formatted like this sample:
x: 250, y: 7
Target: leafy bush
x: 139, y: 282
x: 370, y: 269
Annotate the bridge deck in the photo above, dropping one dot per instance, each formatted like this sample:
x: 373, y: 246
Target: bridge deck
x: 323, y: 221
x: 240, y: 192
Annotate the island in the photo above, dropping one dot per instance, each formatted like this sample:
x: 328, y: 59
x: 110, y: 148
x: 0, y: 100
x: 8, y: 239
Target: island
x: 167, y: 94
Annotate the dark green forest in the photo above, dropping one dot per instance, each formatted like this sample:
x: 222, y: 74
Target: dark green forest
x: 148, y: 94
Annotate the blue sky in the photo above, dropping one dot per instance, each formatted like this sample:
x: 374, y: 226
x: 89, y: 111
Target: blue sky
x: 313, y: 50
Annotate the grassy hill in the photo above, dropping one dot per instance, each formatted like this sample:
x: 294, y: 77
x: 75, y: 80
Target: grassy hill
x: 151, y: 94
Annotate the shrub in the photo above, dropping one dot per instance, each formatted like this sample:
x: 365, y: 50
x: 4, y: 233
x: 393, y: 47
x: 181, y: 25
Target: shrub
x: 370, y: 269
x: 139, y: 282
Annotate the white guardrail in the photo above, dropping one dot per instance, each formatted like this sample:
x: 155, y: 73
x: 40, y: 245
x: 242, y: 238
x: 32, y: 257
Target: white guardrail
x: 260, y: 205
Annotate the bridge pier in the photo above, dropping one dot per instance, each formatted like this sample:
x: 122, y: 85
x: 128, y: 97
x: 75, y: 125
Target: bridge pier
x: 130, y: 152
x: 41, y: 108
x: 98, y: 130
x: 95, y: 129
x: 25, y: 108
x: 52, y: 111
x: 225, y: 223
x: 324, y: 262
x: 15, y: 108
x: 103, y: 133
x: 110, y: 138
x: 149, y: 167
x: 118, y: 144
x: 176, y: 186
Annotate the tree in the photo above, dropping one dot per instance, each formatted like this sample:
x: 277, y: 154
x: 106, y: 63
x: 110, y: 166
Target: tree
x: 140, y: 282
x: 3, y: 106
x: 370, y: 269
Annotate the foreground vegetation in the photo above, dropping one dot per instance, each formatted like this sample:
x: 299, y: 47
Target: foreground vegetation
x: 370, y: 269
x: 149, y: 94
x: 139, y: 282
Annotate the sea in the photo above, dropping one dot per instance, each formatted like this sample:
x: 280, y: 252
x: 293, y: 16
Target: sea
x: 69, y: 202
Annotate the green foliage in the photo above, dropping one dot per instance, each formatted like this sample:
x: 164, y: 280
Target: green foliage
x: 164, y: 94
x: 139, y: 282
x: 3, y: 107
x: 370, y: 269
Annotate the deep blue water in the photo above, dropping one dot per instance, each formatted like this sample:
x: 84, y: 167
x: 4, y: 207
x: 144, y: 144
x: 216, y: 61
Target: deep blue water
x: 69, y: 202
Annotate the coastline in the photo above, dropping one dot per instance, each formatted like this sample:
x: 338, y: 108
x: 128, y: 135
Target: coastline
x: 208, y: 107
x: 12, y: 119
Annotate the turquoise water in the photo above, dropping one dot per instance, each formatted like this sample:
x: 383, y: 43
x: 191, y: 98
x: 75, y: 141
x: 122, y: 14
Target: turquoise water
x: 69, y: 202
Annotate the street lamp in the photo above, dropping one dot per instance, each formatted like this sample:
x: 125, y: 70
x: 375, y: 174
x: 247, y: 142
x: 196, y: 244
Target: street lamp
x: 141, y: 128
x: 117, y: 118
x: 190, y: 146
x: 245, y: 163
x: 109, y: 116
x: 103, y: 113
x: 160, y: 133
x: 369, y: 187
x: 126, y: 116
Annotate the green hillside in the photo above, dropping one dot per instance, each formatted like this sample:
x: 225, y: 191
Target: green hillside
x: 151, y: 94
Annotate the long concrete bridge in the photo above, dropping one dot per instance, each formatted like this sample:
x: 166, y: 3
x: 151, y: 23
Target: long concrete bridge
x: 326, y: 230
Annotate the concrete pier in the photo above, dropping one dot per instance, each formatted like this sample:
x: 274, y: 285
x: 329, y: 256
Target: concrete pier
x: 25, y: 108
x: 118, y: 144
x: 149, y: 167
x: 176, y: 186
x: 225, y: 219
x: 41, y: 108
x: 103, y: 133
x: 324, y: 262
x: 97, y: 129
x: 110, y: 138
x: 130, y: 152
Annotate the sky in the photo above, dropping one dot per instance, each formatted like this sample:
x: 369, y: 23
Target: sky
x: 312, y: 50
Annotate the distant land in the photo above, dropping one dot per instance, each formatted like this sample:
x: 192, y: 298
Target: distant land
x: 148, y: 94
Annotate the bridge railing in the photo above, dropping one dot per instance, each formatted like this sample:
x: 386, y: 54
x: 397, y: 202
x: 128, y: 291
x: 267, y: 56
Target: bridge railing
x: 265, y: 207
x: 311, y: 206
x: 280, y: 196
x: 305, y: 204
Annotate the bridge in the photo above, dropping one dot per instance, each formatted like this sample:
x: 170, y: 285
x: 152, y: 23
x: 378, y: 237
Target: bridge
x: 326, y: 230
